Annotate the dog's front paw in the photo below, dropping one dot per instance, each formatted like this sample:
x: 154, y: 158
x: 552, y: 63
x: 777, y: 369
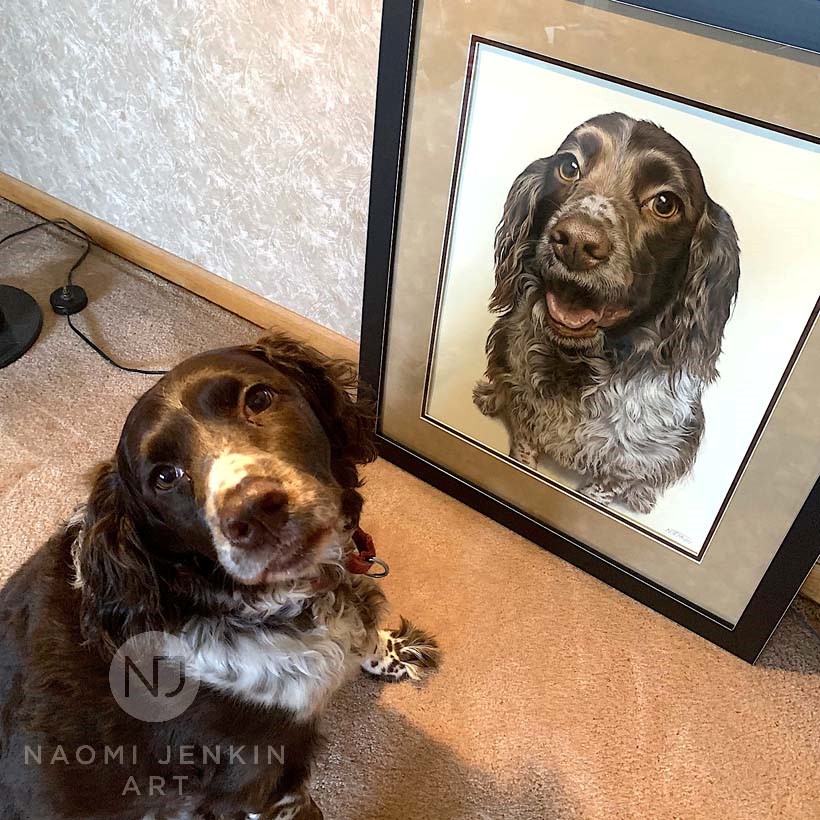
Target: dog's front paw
x: 598, y: 492
x: 640, y: 498
x: 406, y: 653
x: 524, y: 452
x: 486, y: 398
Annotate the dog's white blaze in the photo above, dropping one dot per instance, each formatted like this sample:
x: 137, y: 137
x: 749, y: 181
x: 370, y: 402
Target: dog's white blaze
x: 227, y: 470
x: 597, y: 206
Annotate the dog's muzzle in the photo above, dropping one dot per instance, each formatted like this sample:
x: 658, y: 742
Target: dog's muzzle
x: 253, y: 513
x: 267, y: 519
x: 580, y: 242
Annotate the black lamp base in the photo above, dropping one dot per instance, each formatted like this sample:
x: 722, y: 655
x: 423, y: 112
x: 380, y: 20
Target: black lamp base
x: 21, y: 321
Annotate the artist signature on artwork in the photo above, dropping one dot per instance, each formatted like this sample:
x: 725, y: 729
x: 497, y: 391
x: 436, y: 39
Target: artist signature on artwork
x: 678, y: 535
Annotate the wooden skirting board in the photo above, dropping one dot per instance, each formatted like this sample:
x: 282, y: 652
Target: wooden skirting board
x: 232, y: 297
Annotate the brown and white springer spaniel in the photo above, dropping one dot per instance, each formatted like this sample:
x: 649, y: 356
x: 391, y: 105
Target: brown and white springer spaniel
x: 615, y: 274
x: 223, y: 521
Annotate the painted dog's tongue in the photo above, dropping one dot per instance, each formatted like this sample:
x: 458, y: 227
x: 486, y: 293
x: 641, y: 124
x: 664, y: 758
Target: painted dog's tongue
x: 570, y: 315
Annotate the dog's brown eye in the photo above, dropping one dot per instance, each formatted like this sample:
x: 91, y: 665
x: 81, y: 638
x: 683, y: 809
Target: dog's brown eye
x: 568, y: 168
x: 665, y: 204
x: 166, y: 476
x: 258, y: 399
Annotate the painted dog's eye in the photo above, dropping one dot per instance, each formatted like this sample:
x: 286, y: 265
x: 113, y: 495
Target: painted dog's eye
x: 665, y: 204
x: 258, y: 398
x: 166, y: 476
x: 568, y: 168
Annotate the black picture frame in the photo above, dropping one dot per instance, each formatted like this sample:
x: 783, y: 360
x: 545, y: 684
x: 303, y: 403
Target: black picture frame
x: 790, y: 22
x: 799, y: 550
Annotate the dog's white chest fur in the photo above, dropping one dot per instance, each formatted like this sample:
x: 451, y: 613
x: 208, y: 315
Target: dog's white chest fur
x: 616, y: 425
x: 278, y: 664
x: 638, y: 421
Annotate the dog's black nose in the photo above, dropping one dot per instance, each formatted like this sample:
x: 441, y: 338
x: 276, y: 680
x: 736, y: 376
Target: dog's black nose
x: 580, y: 242
x: 254, y: 512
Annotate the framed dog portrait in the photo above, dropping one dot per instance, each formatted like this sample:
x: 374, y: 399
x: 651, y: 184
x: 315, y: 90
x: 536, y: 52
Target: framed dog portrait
x: 591, y: 294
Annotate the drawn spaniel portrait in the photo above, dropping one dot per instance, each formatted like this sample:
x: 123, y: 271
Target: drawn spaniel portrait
x: 615, y: 274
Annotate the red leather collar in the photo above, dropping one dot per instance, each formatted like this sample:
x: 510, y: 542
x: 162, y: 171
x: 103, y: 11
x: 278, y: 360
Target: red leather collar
x: 361, y: 558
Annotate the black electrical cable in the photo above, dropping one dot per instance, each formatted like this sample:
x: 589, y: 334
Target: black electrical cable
x: 107, y: 358
x: 71, y: 298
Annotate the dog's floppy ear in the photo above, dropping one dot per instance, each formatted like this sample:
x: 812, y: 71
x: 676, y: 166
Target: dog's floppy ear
x: 515, y: 232
x: 690, y: 330
x: 119, y: 588
x: 330, y: 386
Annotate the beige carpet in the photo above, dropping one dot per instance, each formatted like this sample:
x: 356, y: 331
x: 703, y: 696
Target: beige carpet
x: 559, y: 697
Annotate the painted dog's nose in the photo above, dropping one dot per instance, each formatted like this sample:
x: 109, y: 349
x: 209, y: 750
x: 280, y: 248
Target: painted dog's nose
x: 580, y: 242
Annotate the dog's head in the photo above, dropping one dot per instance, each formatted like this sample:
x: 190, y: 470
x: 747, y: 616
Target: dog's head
x: 239, y: 464
x: 614, y: 232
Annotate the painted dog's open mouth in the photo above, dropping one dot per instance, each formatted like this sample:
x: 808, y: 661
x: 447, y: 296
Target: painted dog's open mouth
x: 577, y: 320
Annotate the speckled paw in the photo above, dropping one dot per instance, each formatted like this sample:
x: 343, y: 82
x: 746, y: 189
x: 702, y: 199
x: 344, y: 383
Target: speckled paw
x: 406, y: 653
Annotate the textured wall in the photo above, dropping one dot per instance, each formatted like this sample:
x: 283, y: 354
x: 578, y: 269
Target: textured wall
x: 234, y: 133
